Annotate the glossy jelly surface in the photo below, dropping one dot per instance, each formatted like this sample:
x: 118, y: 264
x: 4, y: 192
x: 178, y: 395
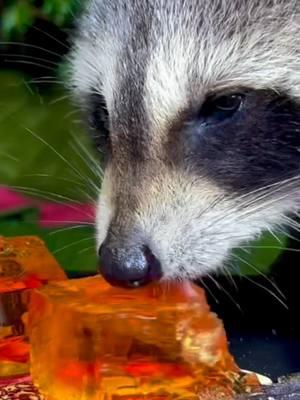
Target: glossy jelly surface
x: 91, y: 341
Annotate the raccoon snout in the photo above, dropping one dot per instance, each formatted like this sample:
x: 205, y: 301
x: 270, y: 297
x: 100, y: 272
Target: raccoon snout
x: 129, y: 267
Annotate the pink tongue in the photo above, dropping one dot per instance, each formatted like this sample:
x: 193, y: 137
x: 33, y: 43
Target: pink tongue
x: 178, y: 291
x: 189, y: 289
x: 51, y: 214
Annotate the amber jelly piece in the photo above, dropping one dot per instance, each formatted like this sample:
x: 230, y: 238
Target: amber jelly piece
x: 25, y: 264
x: 91, y: 341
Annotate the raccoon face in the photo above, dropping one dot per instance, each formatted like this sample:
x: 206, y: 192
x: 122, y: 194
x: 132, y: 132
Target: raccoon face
x: 195, y: 106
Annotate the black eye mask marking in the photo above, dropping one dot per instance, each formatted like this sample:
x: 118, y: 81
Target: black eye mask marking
x: 98, y: 122
x: 241, y: 143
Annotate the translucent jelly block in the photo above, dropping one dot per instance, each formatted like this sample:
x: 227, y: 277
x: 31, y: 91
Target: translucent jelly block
x: 25, y: 263
x: 91, y: 341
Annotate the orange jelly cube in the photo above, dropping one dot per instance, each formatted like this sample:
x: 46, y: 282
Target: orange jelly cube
x: 25, y: 264
x: 91, y: 341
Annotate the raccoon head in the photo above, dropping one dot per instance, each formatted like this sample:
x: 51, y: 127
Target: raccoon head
x: 196, y: 108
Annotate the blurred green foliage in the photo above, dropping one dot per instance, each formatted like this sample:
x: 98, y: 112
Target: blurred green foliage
x: 19, y: 15
x: 44, y: 151
x: 45, y: 154
x: 258, y: 256
x: 43, y: 144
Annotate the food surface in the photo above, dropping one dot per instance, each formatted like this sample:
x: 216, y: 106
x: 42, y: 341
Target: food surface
x: 159, y: 342
x: 25, y: 264
x: 20, y: 391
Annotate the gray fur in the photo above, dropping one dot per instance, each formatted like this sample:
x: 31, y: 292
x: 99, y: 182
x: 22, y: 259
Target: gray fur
x: 220, y: 42
x: 154, y: 60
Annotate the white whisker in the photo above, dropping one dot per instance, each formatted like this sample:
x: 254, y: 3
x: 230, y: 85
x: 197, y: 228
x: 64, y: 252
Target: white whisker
x: 32, y: 46
x: 9, y: 156
x: 221, y: 288
x: 77, y: 183
x: 52, y: 37
x: 260, y: 273
x: 59, y: 155
x: 98, y: 171
x: 209, y: 291
x: 36, y: 64
x: 86, y: 249
x: 25, y: 56
x: 67, y: 246
x: 68, y: 228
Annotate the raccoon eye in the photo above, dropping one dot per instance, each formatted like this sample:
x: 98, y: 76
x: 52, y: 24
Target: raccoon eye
x: 98, y: 121
x: 217, y: 109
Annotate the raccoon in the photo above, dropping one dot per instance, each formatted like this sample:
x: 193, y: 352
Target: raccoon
x: 194, y: 106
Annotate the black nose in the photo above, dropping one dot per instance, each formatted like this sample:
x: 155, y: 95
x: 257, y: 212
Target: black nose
x: 132, y: 267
